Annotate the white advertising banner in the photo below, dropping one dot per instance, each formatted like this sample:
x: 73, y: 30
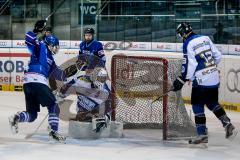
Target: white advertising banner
x: 64, y: 44
x: 222, y: 48
x: 138, y: 46
x: 18, y: 44
x: 169, y: 47
x: 5, y: 43
x: 234, y: 49
x: 12, y: 65
x: 75, y: 44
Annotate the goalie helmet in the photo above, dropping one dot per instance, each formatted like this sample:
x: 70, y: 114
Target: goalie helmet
x: 99, y: 77
x: 184, y: 29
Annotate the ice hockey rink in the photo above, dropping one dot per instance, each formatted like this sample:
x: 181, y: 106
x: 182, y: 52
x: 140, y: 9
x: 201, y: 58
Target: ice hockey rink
x: 137, y: 144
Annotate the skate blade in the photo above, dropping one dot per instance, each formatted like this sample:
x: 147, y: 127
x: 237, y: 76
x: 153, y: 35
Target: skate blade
x: 54, y: 141
x: 14, y: 130
x: 232, y: 137
x: 200, y: 145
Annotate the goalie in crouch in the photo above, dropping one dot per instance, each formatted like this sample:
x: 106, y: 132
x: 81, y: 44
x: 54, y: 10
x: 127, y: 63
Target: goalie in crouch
x: 89, y: 82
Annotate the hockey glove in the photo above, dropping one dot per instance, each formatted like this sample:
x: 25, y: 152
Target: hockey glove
x: 178, y: 83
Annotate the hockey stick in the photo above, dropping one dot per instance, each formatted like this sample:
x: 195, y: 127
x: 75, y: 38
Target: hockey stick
x: 162, y: 95
x: 36, y: 130
x: 69, y: 102
x: 55, y: 10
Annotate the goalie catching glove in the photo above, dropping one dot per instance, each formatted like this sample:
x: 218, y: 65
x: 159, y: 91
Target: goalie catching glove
x: 178, y: 83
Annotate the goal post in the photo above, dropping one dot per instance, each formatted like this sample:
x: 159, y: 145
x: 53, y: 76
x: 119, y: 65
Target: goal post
x: 136, y: 81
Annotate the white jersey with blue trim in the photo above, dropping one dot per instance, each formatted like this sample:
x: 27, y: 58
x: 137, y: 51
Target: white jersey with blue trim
x: 201, y: 58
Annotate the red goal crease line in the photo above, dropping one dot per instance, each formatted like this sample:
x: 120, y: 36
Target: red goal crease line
x: 14, y: 55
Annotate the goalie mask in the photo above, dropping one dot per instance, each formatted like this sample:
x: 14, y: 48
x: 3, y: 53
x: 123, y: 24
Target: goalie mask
x: 99, y: 76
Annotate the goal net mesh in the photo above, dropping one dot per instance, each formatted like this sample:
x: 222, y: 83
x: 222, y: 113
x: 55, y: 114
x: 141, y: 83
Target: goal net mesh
x: 136, y: 84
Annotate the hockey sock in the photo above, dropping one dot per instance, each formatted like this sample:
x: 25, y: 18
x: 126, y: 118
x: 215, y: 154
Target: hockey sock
x: 53, y: 118
x: 220, y: 113
x: 200, y: 119
x: 27, y: 117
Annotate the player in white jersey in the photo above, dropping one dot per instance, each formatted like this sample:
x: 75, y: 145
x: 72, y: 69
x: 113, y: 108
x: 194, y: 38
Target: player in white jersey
x: 201, y: 58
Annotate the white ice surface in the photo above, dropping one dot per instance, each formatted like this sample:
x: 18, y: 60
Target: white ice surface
x: 137, y: 144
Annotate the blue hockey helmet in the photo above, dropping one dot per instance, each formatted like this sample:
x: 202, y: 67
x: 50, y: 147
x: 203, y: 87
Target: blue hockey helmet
x: 52, y: 43
x: 51, y: 40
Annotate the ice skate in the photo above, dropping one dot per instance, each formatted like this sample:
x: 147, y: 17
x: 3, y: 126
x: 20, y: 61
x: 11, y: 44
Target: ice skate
x: 54, y: 135
x: 13, y: 122
x: 231, y: 131
x: 199, y: 141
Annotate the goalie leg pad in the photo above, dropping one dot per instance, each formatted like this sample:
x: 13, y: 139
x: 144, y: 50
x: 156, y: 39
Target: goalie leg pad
x: 99, y: 124
x: 83, y: 130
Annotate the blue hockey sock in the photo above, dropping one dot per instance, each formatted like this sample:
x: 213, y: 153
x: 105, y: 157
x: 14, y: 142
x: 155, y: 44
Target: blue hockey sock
x: 53, y: 121
x: 27, y: 117
x: 53, y: 118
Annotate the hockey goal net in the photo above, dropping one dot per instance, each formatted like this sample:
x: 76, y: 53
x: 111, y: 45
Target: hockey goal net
x: 137, y: 82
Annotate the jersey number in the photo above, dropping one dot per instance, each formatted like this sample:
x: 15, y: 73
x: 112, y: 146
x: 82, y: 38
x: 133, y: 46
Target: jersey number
x: 207, y: 56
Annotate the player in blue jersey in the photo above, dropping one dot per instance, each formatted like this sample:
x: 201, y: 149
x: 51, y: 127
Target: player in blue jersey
x: 36, y: 88
x: 91, y: 51
x: 200, y: 60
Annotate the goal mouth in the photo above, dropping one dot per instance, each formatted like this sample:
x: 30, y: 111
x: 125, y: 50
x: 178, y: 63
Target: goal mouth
x: 141, y: 97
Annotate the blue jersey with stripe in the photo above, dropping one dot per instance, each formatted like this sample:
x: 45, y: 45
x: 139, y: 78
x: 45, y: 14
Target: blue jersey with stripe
x: 41, y: 62
x: 93, y: 53
x: 32, y: 42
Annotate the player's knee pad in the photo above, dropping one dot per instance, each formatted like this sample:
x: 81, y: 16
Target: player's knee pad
x: 200, y: 121
x: 217, y: 110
